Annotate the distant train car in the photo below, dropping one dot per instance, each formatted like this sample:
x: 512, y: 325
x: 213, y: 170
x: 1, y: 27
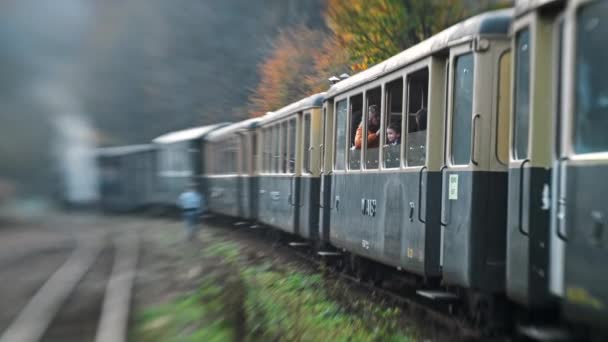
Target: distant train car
x: 127, y: 177
x: 179, y: 162
x: 229, y: 174
x: 289, y: 167
x: 406, y: 201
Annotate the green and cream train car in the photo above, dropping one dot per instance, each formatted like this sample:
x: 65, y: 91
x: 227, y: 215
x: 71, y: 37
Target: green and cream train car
x: 229, y: 175
x: 288, y: 167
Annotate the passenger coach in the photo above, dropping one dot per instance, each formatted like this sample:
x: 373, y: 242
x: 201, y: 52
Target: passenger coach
x: 289, y: 167
x: 434, y: 202
x: 127, y: 177
x: 229, y: 175
x: 180, y: 162
x: 582, y: 209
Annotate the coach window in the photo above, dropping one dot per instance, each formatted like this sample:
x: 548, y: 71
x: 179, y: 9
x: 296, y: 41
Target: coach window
x: 591, y: 88
x: 267, y: 149
x: 393, y: 127
x: 292, y: 146
x: 276, y: 156
x: 417, y: 104
x: 322, y: 146
x: 225, y: 165
x: 504, y: 96
x: 307, y: 146
x: 284, y: 147
x: 341, y: 128
x: 521, y: 97
x: 262, y: 153
x: 463, y: 108
x: 355, y: 116
x: 246, y: 153
x: 373, y: 128
x: 233, y: 153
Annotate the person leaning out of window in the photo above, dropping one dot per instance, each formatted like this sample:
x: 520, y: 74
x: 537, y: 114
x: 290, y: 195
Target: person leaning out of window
x: 373, y: 129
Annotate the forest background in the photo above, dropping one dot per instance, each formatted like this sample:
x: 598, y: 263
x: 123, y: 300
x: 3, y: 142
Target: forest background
x: 123, y: 72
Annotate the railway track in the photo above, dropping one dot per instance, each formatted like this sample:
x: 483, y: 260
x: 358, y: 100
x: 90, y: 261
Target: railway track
x: 86, y: 298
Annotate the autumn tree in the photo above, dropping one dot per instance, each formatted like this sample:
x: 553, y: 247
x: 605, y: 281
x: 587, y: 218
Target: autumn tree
x: 331, y: 59
x: 283, y: 74
x: 374, y: 30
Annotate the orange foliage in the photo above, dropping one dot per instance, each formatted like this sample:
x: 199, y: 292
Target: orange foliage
x: 283, y: 74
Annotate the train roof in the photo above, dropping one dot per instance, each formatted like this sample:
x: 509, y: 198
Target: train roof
x: 123, y: 150
x: 489, y: 23
x: 313, y: 101
x: 525, y: 6
x: 187, y: 134
x: 221, y: 133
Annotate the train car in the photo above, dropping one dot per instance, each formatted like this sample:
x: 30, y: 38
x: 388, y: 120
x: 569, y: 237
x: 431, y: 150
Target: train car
x: 179, y: 162
x: 289, y: 167
x: 230, y: 173
x: 127, y: 177
x: 582, y: 210
x: 536, y: 45
x: 434, y: 202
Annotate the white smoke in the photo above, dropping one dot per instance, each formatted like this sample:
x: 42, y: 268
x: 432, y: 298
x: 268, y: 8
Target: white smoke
x: 73, y: 147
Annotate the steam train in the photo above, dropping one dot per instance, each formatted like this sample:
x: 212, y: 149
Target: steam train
x: 495, y: 197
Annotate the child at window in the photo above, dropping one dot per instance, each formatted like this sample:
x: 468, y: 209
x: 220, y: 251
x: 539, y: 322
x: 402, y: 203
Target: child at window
x: 393, y: 134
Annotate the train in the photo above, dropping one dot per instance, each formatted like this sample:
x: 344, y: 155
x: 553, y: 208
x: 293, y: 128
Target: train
x: 492, y: 194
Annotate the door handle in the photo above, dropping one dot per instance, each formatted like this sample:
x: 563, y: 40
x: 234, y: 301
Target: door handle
x: 337, y: 203
x: 444, y: 190
x: 521, y: 197
x: 561, y: 217
x: 412, y: 205
x: 420, y: 195
x: 597, y: 233
x: 473, y: 144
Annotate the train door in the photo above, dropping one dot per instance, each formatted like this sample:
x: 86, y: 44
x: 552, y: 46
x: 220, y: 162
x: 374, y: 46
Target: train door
x: 474, y: 190
x: 530, y: 160
x: 326, y: 167
x: 584, y: 207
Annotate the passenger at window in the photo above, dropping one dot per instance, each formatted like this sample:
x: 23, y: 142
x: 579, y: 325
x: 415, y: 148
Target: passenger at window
x: 393, y: 134
x: 373, y: 129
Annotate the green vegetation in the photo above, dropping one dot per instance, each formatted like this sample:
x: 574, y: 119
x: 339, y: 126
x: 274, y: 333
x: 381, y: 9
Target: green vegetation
x: 262, y: 300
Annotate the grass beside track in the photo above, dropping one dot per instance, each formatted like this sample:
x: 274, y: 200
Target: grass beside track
x: 245, y: 298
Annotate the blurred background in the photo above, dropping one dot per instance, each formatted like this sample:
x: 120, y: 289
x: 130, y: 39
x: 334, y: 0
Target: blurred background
x: 80, y: 74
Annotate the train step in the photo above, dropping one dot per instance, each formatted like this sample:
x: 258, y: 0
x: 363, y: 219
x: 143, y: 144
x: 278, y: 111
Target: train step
x: 240, y: 223
x: 329, y: 254
x: 545, y: 333
x: 299, y: 244
x: 437, y: 295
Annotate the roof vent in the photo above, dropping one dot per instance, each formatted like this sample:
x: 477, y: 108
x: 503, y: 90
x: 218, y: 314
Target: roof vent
x: 333, y: 80
x: 344, y: 76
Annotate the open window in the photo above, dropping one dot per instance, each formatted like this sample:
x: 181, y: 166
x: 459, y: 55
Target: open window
x: 341, y: 129
x: 393, y: 124
x: 417, y: 104
x: 355, y: 116
x: 372, y: 129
